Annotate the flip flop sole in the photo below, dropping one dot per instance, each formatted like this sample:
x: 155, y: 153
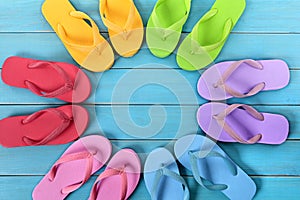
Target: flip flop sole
x: 128, y: 159
x: 240, y: 186
x: 12, y: 130
x: 73, y: 172
x: 275, y: 75
x: 169, y: 189
x: 46, y: 78
x: 274, y: 128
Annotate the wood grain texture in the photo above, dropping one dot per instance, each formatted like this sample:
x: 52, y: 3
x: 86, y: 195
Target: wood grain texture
x: 128, y: 111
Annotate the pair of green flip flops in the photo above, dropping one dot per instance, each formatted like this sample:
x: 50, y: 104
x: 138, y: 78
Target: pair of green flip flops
x: 202, y: 46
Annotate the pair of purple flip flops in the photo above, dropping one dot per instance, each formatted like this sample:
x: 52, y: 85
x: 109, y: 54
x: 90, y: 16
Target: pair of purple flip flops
x: 238, y: 122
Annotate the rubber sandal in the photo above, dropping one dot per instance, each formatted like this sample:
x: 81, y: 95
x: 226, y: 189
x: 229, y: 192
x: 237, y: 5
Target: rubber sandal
x: 51, y: 126
x: 162, y: 178
x: 121, y: 175
x: 125, y: 25
x: 47, y: 79
x: 212, y: 168
x: 232, y: 124
x: 165, y: 26
x: 82, y: 159
x: 83, y: 41
x: 202, y: 46
x: 242, y: 79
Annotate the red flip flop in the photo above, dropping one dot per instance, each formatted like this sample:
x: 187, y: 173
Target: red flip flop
x: 47, y: 79
x: 51, y: 126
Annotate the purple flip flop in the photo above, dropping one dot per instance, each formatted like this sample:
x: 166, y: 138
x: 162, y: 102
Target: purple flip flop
x: 242, y: 78
x: 230, y: 123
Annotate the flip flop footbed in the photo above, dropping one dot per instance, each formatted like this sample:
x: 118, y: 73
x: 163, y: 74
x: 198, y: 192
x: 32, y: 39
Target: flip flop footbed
x: 125, y: 161
x: 163, y: 38
x: 16, y: 71
x: 82, y: 40
x: 126, y: 32
x: 73, y: 172
x: 215, y: 169
x: 13, y: 130
x: 274, y: 74
x: 202, y: 46
x: 274, y: 128
x: 168, y: 188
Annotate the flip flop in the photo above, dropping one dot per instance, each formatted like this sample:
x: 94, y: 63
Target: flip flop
x: 120, y: 177
x: 47, y: 79
x: 82, y: 159
x: 212, y: 168
x: 51, y: 126
x: 231, y: 124
x: 83, y: 41
x: 202, y: 46
x: 165, y: 26
x: 162, y: 177
x: 125, y: 25
x: 242, y: 78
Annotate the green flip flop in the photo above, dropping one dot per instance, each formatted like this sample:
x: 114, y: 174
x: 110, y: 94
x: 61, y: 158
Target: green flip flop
x: 202, y: 46
x: 165, y: 25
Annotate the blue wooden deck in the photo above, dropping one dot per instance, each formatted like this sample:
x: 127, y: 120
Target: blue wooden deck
x: 165, y: 110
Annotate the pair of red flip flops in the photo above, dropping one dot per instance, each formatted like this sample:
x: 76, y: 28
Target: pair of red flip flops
x: 47, y: 79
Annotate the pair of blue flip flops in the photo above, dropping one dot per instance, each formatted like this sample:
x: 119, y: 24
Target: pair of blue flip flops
x: 209, y: 164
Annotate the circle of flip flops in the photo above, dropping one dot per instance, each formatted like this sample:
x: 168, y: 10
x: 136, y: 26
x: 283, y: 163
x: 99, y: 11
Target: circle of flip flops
x: 207, y: 162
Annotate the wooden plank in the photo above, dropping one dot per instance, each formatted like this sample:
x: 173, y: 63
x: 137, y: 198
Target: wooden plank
x: 259, y: 16
x: 152, y: 86
x: 47, y: 46
x: 254, y: 159
x: 275, y: 188
x: 135, y: 122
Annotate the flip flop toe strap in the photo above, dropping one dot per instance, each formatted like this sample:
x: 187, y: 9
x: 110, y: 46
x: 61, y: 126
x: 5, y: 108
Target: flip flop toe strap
x: 107, y: 174
x: 67, y: 87
x: 65, y: 122
x: 168, y: 173
x: 167, y: 31
x: 231, y: 69
x: 196, y: 49
x: 114, y: 27
x: 202, y: 155
x: 70, y: 158
x: 220, y: 118
x: 96, y: 36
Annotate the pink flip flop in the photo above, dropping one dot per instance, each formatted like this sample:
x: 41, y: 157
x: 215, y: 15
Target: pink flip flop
x: 82, y: 159
x: 242, y: 78
x: 51, y: 126
x: 47, y: 79
x: 232, y: 124
x: 119, y: 179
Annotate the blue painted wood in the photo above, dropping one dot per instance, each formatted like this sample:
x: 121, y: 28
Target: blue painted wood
x: 138, y: 122
x: 268, y: 29
x: 259, y: 16
x: 273, y: 188
x: 47, y: 46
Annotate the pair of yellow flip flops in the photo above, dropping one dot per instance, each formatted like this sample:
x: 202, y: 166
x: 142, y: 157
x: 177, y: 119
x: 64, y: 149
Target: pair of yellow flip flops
x: 81, y: 37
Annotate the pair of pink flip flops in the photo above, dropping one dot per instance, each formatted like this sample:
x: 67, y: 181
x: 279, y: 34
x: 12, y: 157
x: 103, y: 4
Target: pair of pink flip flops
x: 80, y: 161
x: 238, y: 122
x: 47, y: 79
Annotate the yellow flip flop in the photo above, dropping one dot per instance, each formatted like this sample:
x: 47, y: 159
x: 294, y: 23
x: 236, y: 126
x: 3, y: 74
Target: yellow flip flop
x: 125, y: 25
x: 83, y: 40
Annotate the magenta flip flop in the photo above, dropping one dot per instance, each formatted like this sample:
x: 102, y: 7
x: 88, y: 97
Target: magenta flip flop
x: 232, y: 124
x: 242, y: 78
x: 47, y: 79
x: 52, y: 126
x: 82, y: 159
x: 120, y: 177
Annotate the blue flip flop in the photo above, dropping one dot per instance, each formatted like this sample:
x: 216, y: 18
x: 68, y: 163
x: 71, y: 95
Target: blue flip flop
x: 161, y: 175
x: 212, y: 168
